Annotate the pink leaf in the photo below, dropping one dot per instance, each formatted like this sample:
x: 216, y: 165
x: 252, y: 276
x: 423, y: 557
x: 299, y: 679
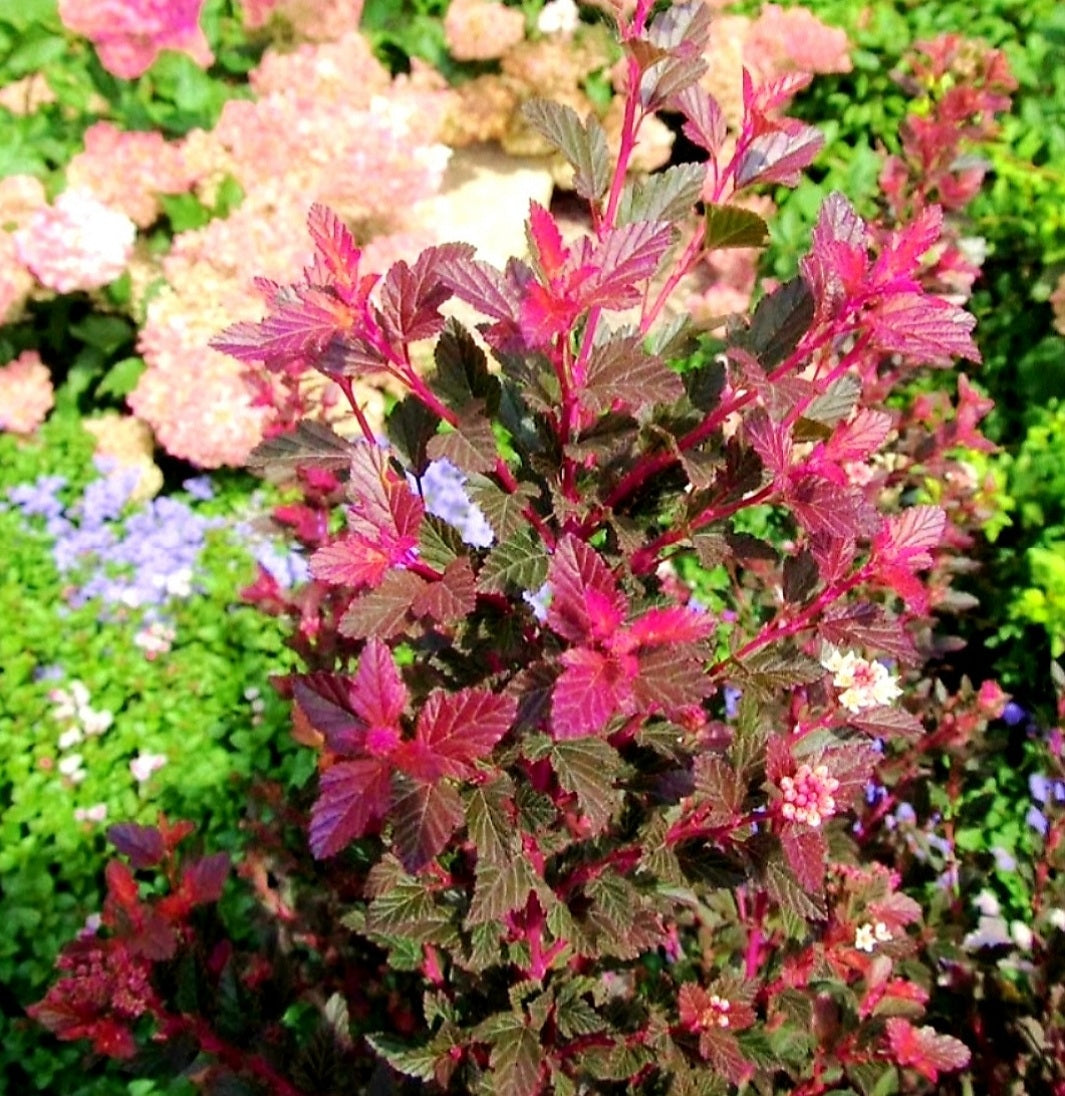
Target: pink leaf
x: 337, y: 256
x: 925, y: 1050
x: 592, y: 688
x: 925, y: 328
x: 354, y: 561
x: 353, y: 794
x: 861, y: 437
x: 546, y: 240
x: 454, y: 729
x: 585, y: 601
x: 378, y: 695
x: 905, y: 539
x: 771, y: 441
x: 623, y: 258
x: 666, y: 627
x: 705, y: 124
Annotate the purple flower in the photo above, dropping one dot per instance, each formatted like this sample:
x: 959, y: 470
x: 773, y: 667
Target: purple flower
x: 1037, y: 820
x: 539, y: 601
x: 444, y: 494
x: 1013, y: 714
x: 731, y: 697
x: 38, y: 499
x: 199, y: 488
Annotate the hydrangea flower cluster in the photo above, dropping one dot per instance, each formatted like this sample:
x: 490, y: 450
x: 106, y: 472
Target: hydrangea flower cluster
x: 129, y: 170
x: 20, y: 197
x: 482, y: 30
x: 76, y: 243
x: 130, y: 34
x: 862, y: 684
x: 26, y: 393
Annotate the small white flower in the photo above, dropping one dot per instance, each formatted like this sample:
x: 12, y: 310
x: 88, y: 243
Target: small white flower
x: 95, y: 723
x: 71, y: 767
x: 862, y: 684
x: 558, y: 17
x: 1022, y: 935
x: 864, y: 939
x: 96, y: 813
x: 70, y: 738
x: 1056, y: 917
x: 144, y: 764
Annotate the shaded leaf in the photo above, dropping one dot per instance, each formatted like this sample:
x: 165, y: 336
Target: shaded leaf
x: 780, y: 320
x: 733, y: 226
x: 665, y: 196
x: 424, y: 816
x: 352, y: 795
x: 471, y: 445
x: 800, y: 577
x: 621, y: 370
x: 583, y: 144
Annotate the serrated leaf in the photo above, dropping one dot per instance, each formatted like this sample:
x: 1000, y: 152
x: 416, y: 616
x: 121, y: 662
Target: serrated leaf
x: 352, y: 795
x: 583, y: 144
x: 790, y: 895
x: 450, y: 599
x: 665, y: 196
x: 621, y: 370
x: 575, y: 1016
x: 588, y: 767
x: 439, y: 543
x: 776, y: 668
x: 615, y: 900
x: 383, y: 612
x: 501, y: 888
x: 718, y: 783
x: 502, y: 509
x: 520, y: 562
x: 887, y: 722
x: 489, y: 821
x: 310, y: 443
x: 408, y: 909
x: 461, y: 368
x: 620, y: 1062
x: 410, y: 426
x: 730, y: 226
x: 671, y: 679
x: 412, y: 1061
x: 516, y: 1060
x: 423, y: 817
x: 837, y: 402
x: 471, y: 446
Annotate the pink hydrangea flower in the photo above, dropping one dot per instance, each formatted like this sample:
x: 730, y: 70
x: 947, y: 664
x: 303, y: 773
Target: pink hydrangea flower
x: 76, y: 243
x: 784, y: 40
x: 481, y: 30
x: 26, y: 394
x: 128, y: 170
x: 130, y: 34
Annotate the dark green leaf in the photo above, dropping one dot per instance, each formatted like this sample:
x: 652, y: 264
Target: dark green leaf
x: 733, y: 226
x: 779, y: 322
x: 800, y: 577
x: 503, y: 509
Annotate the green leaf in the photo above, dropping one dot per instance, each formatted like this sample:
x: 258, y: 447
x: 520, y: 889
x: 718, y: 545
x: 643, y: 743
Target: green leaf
x: 503, y: 509
x: 439, y: 544
x: 792, y: 897
x: 615, y: 900
x: 516, y: 1059
x: 488, y: 820
x: 185, y: 211
x: 412, y: 1061
x: 121, y: 378
x: 409, y: 909
x: 517, y: 563
x: 588, y: 767
x: 733, y: 226
x: 665, y: 196
x: 471, y: 445
x: 500, y: 889
x: 773, y: 669
x: 583, y: 144
x: 837, y: 402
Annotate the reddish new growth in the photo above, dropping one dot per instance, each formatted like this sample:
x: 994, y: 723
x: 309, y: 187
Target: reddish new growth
x: 103, y: 989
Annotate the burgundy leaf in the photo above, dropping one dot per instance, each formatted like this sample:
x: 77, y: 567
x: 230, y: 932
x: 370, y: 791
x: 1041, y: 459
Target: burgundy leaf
x: 384, y: 612
x: 481, y: 285
x: 866, y: 625
x: 352, y: 795
x: 204, y: 879
x: 888, y: 722
x: 805, y: 851
x: 824, y: 507
x: 424, y: 816
x: 143, y: 845
x: 670, y: 681
x: 411, y: 297
x: 705, y: 121
x: 771, y: 441
x: 622, y: 371
x: 452, y: 598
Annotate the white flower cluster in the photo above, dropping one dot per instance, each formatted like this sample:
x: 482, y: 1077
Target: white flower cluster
x: 558, y: 17
x: 862, y: 684
x: 71, y: 706
x: 867, y: 936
